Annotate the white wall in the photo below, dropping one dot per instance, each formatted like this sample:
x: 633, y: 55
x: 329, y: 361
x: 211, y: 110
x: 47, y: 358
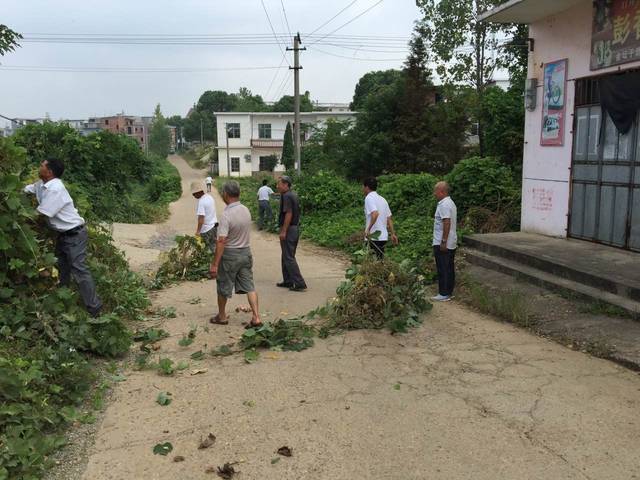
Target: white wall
x: 547, y: 170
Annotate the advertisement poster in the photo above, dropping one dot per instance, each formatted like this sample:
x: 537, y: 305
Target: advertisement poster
x: 553, y: 103
x: 615, y: 38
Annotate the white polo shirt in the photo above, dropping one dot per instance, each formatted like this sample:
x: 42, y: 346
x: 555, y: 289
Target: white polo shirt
x: 376, y: 203
x: 209, y: 180
x: 264, y: 192
x: 446, y: 209
x: 207, y: 207
x: 56, y: 204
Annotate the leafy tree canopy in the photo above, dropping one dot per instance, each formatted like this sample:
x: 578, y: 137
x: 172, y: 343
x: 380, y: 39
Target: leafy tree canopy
x: 159, y: 135
x: 8, y: 40
x: 370, y: 82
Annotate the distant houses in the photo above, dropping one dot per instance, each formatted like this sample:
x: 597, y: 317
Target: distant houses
x: 246, y: 140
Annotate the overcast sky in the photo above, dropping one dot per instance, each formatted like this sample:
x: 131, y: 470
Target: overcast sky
x: 79, y: 95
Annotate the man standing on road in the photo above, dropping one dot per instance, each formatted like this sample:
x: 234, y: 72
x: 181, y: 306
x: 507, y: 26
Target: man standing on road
x: 445, y: 242
x: 264, y: 207
x: 207, y: 226
x: 208, y: 181
x: 232, y: 266
x: 55, y: 203
x: 378, y: 219
x: 289, y: 220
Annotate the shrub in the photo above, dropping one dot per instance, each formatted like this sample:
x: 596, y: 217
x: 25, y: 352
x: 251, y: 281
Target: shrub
x: 188, y: 260
x: 482, y: 181
x: 326, y: 192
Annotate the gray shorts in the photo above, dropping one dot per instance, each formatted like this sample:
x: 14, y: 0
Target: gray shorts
x: 235, y: 272
x: 209, y: 238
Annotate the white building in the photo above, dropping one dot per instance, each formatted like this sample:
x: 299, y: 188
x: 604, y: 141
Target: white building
x: 581, y: 166
x: 254, y: 136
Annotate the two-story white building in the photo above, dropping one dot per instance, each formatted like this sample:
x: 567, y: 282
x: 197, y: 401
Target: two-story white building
x: 254, y: 136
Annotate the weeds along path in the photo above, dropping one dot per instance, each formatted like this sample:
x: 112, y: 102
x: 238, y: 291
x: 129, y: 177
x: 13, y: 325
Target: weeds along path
x: 460, y: 397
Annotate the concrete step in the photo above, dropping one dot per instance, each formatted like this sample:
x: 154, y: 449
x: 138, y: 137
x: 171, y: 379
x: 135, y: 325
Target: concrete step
x: 577, y: 263
x: 550, y: 281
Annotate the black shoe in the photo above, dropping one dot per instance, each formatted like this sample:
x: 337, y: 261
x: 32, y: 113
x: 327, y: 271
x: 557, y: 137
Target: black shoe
x: 284, y: 285
x: 297, y: 288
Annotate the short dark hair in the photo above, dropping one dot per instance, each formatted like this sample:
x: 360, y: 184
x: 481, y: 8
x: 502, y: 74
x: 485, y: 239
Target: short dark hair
x: 56, y: 166
x: 265, y: 181
x: 286, y: 179
x: 370, y: 182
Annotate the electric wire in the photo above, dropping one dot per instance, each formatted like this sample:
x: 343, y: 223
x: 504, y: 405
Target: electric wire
x: 350, y: 21
x: 273, y: 30
x: 332, y: 18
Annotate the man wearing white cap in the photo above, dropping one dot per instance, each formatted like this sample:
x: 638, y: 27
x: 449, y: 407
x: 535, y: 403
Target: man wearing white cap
x: 207, y: 226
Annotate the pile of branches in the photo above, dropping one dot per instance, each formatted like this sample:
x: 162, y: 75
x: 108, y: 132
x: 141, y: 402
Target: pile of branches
x: 375, y: 295
x: 188, y: 260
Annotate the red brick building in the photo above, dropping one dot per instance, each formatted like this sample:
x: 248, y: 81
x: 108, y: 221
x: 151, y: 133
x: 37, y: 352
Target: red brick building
x: 128, y: 125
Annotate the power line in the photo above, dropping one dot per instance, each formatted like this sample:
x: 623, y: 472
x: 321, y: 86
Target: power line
x: 350, y: 21
x: 331, y: 19
x: 39, y: 68
x: 274, y: 78
x: 358, y: 58
x: 285, y: 18
x: 273, y: 29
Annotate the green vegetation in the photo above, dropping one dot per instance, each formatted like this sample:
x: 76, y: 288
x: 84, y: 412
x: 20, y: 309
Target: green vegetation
x: 159, y: 136
x: 108, y: 176
x: 511, y: 306
x: 188, y: 260
x: 46, y: 337
x: 196, y: 157
x: 288, y: 155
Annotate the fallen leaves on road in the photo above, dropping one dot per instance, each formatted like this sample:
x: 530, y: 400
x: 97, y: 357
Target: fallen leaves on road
x: 178, y: 458
x: 164, y: 398
x: 285, y: 451
x: 162, y: 449
x: 227, y: 471
x: 207, y: 442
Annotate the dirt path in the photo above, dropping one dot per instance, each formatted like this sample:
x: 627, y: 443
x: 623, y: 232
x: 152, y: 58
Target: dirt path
x: 462, y: 397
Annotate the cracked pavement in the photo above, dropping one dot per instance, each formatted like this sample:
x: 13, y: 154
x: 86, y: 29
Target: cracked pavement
x: 461, y: 397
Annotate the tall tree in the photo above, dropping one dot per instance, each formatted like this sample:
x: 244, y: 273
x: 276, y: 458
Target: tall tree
x: 8, y: 40
x: 159, y: 135
x: 465, y: 48
x: 287, y: 158
x: 285, y: 104
x: 248, y: 102
x: 369, y: 83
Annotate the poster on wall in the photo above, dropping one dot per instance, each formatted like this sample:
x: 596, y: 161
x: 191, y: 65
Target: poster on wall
x: 615, y: 37
x: 553, y: 103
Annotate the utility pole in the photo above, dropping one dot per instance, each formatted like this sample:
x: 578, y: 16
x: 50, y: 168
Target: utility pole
x: 226, y: 134
x: 296, y: 97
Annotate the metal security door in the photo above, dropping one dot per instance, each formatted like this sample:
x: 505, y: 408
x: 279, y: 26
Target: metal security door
x: 605, y: 183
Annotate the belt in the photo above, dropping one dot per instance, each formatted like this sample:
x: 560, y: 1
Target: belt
x: 73, y: 231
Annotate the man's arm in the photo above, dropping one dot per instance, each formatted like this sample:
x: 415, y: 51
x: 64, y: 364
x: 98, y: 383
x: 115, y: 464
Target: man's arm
x: 200, y: 223
x: 374, y: 218
x: 31, y: 189
x: 394, y: 237
x: 213, y: 269
x: 285, y: 226
x: 446, y: 228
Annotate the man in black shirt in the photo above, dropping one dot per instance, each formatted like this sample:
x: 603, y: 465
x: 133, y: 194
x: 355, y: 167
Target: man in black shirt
x: 289, y: 234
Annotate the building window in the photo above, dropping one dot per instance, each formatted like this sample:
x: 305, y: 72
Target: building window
x: 141, y: 140
x: 233, y: 130
x: 106, y: 122
x: 235, y: 164
x: 129, y: 130
x: 264, y: 130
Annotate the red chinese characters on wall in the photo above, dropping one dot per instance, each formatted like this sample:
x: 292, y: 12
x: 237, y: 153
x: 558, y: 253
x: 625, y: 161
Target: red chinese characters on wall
x: 542, y: 199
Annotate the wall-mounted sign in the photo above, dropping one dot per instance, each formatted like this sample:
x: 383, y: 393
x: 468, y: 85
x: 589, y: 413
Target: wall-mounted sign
x: 615, y: 37
x: 553, y: 103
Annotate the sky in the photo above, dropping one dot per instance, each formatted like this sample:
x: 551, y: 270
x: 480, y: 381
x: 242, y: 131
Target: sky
x: 77, y: 95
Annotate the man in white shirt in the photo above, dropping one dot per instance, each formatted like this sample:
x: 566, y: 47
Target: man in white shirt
x: 207, y: 225
x: 55, y: 203
x: 264, y: 207
x: 445, y: 241
x: 208, y: 181
x: 378, y: 218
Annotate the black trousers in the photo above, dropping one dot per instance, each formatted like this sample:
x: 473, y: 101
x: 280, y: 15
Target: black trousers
x: 71, y: 252
x: 445, y: 264
x: 377, y: 246
x: 290, y: 269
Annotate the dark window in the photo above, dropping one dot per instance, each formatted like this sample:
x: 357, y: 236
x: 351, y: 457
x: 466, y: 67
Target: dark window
x: 235, y: 164
x: 106, y: 122
x: 234, y: 130
x: 264, y: 163
x: 264, y: 130
x: 129, y: 130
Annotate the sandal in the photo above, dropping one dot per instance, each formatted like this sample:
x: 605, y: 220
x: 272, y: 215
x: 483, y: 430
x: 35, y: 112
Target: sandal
x: 253, y: 325
x: 216, y: 320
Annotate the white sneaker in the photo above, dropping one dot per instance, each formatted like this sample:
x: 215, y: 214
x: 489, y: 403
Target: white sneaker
x: 441, y: 298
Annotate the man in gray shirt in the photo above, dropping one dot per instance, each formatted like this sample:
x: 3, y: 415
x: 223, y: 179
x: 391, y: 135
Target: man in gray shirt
x: 289, y: 221
x: 232, y: 266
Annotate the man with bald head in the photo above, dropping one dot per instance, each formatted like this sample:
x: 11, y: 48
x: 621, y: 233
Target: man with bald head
x: 445, y: 241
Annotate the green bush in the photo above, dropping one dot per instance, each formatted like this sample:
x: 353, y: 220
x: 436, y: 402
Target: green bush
x: 45, y: 330
x: 326, y: 192
x: 484, y: 182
